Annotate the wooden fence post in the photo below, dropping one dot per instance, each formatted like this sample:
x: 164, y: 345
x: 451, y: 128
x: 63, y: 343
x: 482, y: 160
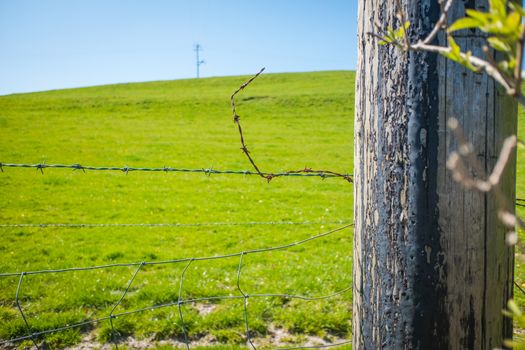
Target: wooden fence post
x: 431, y: 267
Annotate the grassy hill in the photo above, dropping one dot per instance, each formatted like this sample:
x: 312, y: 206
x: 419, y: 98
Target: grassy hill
x: 290, y: 121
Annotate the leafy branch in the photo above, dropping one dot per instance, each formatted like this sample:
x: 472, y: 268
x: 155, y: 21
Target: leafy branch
x: 503, y: 23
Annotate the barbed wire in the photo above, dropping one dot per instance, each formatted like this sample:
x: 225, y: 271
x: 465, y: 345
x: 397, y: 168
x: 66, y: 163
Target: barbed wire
x: 141, y: 266
x: 206, y: 171
x: 520, y: 202
x: 244, y: 147
x: 174, y: 224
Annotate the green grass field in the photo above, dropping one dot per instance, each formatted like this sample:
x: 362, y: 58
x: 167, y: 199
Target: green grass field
x: 290, y: 121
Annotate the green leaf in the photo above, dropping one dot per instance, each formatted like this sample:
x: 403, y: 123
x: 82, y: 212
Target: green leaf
x: 499, y: 44
x: 390, y: 33
x: 513, y: 19
x: 509, y: 343
x: 466, y: 61
x: 395, y: 36
x: 455, y: 55
x: 464, y: 23
x: 517, y: 8
x: 400, y: 33
x: 515, y: 345
x: 498, y: 7
x: 504, y: 66
x: 514, y: 308
x: 483, y: 17
x: 494, y: 22
x: 454, y: 49
x: 512, y: 24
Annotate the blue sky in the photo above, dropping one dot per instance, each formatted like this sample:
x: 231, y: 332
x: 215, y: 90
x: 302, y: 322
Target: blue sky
x: 53, y: 44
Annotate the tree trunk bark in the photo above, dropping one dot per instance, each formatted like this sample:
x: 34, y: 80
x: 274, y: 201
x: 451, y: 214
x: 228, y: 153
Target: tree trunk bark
x: 431, y: 268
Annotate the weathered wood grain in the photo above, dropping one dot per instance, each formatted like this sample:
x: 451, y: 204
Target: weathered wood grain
x: 431, y: 268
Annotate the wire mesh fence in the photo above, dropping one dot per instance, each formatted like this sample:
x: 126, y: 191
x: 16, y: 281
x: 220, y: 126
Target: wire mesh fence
x: 175, y: 224
x: 23, y: 278
x: 242, y: 295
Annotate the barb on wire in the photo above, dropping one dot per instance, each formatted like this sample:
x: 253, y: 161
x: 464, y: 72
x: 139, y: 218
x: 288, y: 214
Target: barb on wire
x: 206, y: 171
x: 180, y: 301
x: 41, y: 167
x: 270, y: 176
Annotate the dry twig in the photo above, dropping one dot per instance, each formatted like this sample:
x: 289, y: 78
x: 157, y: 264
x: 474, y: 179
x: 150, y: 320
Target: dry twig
x: 460, y: 160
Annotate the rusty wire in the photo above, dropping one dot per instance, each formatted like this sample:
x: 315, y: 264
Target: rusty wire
x: 140, y: 266
x: 244, y: 147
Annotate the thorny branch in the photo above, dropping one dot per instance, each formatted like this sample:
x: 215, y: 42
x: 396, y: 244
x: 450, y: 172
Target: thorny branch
x: 244, y: 148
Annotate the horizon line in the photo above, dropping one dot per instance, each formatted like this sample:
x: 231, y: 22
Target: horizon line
x: 165, y: 80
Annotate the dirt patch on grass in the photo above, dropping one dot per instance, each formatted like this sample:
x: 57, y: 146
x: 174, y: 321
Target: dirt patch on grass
x: 277, y: 337
x: 204, y: 309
